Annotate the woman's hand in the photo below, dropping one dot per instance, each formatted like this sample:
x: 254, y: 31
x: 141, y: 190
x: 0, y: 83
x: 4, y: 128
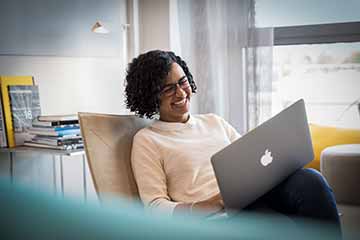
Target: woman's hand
x: 206, y: 207
x: 211, y: 205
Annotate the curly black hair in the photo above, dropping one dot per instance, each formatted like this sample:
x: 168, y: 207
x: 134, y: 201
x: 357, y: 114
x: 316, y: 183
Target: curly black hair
x: 146, y: 74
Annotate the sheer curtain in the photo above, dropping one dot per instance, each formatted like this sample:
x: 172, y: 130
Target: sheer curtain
x: 259, y: 57
x: 218, y: 41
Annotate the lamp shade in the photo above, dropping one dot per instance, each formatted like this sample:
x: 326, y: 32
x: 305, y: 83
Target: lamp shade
x: 99, y: 28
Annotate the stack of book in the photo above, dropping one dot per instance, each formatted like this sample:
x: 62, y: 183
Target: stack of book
x: 60, y: 132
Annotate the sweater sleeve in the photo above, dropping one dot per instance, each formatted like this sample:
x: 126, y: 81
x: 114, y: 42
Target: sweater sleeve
x: 231, y: 132
x: 150, y: 176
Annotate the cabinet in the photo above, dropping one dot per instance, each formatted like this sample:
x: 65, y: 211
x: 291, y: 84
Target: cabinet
x: 56, y: 155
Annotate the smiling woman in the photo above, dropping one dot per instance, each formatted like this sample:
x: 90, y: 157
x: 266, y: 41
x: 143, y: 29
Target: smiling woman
x: 171, y: 157
x: 150, y: 79
x: 175, y: 96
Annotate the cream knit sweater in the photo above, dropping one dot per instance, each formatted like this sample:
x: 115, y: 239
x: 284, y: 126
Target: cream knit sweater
x: 171, y: 161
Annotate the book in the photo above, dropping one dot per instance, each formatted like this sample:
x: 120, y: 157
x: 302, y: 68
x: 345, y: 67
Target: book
x: 25, y: 106
x: 56, y: 142
x: 58, y: 118
x: 3, y: 140
x: 51, y: 132
x: 6, y: 81
x: 56, y: 128
x: 37, y: 123
x: 64, y: 147
x: 63, y: 138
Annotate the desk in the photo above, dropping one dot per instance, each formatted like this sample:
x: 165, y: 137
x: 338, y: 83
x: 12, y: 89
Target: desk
x: 12, y: 153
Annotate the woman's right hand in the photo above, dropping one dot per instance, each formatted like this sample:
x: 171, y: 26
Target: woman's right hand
x: 206, y: 207
x: 211, y: 205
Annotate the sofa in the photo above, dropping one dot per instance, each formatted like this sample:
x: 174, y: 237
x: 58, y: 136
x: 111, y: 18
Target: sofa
x: 342, y: 173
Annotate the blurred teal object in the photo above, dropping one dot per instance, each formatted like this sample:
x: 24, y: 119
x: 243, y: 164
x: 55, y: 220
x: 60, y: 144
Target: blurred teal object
x: 27, y: 214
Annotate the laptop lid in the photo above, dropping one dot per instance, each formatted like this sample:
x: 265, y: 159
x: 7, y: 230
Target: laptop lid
x: 258, y: 161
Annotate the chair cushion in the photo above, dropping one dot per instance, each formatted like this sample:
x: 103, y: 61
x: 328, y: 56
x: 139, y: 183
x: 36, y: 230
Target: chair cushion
x: 324, y: 136
x: 108, y: 141
x: 340, y: 165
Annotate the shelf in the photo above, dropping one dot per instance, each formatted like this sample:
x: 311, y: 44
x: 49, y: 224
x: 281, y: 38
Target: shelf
x: 44, y: 151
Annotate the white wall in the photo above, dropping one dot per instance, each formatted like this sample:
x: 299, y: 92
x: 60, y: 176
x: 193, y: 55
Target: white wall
x: 69, y: 85
x: 154, y: 25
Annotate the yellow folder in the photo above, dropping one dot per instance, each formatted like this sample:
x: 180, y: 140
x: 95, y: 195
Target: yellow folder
x: 5, y: 81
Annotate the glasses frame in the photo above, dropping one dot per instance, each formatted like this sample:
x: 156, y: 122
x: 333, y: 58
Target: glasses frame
x: 170, y: 89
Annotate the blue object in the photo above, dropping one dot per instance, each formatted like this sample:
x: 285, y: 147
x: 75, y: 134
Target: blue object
x: 26, y: 214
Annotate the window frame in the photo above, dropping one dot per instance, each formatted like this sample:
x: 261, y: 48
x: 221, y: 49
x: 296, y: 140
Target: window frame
x: 345, y: 32
x: 317, y: 33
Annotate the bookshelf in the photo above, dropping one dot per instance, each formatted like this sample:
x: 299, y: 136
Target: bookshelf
x: 54, y: 153
x: 22, y: 130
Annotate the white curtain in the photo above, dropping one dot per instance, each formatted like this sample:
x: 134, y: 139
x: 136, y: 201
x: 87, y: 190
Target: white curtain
x: 259, y: 70
x: 218, y: 41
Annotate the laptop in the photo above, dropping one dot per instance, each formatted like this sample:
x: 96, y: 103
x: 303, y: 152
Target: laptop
x: 258, y: 161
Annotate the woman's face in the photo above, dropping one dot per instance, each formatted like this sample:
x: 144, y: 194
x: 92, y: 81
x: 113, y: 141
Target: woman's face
x: 175, y: 96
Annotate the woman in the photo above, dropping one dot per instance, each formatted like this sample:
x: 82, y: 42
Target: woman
x: 171, y: 158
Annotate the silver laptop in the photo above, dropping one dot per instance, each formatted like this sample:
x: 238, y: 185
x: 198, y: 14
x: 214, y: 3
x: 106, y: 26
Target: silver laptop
x: 258, y: 161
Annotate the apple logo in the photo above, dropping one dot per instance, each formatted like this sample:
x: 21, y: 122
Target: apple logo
x: 266, y: 159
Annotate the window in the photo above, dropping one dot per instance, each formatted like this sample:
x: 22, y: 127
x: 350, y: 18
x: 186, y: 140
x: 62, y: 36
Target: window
x: 327, y: 76
x: 316, y: 57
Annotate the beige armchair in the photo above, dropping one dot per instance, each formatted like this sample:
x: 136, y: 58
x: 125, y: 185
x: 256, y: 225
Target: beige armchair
x: 108, y: 140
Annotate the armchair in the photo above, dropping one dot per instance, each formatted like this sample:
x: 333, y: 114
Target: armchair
x: 108, y: 141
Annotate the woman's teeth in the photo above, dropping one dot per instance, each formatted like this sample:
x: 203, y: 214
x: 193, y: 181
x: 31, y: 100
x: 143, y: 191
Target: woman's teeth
x: 180, y: 102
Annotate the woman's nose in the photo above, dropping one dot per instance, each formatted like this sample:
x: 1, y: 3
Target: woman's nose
x: 179, y: 91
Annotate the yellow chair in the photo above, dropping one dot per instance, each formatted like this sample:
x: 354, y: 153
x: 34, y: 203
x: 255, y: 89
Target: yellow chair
x: 324, y: 136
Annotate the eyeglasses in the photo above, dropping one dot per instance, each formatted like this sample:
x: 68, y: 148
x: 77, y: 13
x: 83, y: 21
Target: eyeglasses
x: 170, y: 89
